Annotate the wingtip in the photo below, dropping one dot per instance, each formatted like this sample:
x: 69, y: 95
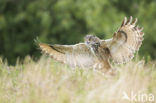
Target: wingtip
x: 43, y: 45
x: 37, y: 41
x: 125, y: 18
x: 134, y: 21
x: 124, y: 21
x: 129, y: 20
x: 141, y: 29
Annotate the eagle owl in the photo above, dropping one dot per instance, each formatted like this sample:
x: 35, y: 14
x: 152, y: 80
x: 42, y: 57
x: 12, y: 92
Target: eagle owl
x: 96, y: 53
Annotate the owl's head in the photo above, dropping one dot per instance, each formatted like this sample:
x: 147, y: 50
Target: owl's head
x: 92, y: 40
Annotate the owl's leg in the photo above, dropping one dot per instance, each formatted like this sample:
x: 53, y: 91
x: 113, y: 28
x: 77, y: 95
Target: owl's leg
x: 95, y: 66
x: 106, y: 65
x: 105, y: 68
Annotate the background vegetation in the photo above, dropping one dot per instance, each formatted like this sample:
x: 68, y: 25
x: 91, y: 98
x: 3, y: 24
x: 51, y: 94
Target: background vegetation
x: 68, y: 21
x: 47, y: 81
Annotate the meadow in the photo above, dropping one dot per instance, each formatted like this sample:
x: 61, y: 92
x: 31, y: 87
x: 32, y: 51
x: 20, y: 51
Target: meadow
x: 47, y: 81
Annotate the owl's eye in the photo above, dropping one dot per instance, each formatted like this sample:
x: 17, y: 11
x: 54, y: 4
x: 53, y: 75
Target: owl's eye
x: 97, y: 44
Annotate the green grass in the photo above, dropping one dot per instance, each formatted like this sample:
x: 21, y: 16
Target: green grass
x: 48, y: 81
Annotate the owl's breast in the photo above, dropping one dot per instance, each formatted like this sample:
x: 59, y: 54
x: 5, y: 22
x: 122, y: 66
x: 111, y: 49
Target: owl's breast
x: 102, y: 53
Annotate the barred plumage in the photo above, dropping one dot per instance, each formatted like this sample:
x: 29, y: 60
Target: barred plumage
x: 96, y: 52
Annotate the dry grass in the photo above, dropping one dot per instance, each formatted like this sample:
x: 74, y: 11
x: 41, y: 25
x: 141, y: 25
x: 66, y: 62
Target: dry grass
x: 47, y: 81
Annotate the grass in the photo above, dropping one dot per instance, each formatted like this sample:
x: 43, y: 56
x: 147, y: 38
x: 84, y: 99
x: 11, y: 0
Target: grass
x: 47, y: 81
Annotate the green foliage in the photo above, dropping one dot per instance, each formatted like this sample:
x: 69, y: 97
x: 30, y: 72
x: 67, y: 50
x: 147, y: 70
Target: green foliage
x: 68, y: 21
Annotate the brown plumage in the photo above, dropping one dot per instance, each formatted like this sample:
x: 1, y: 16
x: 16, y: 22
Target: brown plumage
x: 96, y: 52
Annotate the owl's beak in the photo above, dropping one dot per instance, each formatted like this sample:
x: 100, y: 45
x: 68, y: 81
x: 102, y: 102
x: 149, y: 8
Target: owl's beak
x: 87, y: 42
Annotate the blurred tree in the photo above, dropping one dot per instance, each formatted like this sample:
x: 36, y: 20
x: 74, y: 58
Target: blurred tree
x: 67, y: 22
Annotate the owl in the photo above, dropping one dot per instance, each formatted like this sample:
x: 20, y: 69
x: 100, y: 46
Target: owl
x: 97, y: 53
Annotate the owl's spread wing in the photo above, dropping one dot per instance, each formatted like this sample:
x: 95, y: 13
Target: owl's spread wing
x: 74, y: 55
x: 126, y: 41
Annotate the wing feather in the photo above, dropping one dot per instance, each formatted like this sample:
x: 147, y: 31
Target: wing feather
x: 126, y: 41
x: 74, y: 55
